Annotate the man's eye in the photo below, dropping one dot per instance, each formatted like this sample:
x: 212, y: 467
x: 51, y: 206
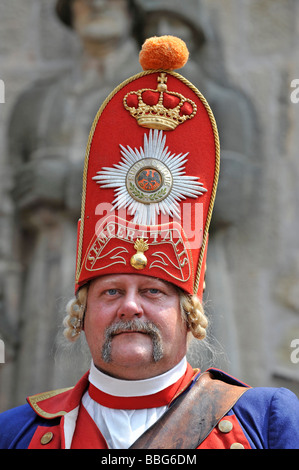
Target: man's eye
x: 154, y: 291
x: 111, y: 291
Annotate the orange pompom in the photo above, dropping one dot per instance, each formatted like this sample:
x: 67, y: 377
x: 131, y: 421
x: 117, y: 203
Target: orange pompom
x: 163, y: 52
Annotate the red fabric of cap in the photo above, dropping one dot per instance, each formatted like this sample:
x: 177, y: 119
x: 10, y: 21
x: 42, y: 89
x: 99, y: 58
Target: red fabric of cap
x: 107, y: 233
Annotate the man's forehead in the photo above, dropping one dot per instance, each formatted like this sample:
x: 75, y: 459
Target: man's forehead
x: 130, y: 278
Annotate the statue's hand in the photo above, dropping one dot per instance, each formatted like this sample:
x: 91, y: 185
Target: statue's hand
x: 40, y: 181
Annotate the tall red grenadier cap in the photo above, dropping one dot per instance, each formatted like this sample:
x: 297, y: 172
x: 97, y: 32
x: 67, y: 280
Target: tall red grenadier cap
x: 150, y: 176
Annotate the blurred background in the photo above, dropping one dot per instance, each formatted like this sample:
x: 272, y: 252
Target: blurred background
x: 58, y: 62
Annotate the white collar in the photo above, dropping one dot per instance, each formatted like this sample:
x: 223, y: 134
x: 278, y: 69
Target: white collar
x: 127, y: 388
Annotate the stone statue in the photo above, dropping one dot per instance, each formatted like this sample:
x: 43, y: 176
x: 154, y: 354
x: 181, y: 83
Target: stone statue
x: 48, y: 136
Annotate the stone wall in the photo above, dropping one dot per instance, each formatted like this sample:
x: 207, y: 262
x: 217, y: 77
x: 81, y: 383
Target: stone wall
x: 33, y: 45
x: 259, y: 42
x: 253, y: 264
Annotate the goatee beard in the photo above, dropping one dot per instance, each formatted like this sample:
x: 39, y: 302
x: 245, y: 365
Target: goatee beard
x: 140, y: 326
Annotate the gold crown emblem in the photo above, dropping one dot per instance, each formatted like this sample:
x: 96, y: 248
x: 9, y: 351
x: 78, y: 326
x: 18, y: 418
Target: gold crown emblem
x: 159, y: 109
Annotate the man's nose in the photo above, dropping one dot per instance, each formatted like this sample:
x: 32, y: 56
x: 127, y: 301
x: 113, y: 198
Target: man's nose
x: 130, y: 307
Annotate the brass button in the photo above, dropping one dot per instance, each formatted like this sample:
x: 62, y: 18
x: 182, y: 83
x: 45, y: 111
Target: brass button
x: 46, y: 438
x: 225, y: 426
x: 237, y: 445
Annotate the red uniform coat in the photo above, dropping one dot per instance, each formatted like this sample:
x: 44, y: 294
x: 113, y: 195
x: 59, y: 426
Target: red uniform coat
x: 262, y: 418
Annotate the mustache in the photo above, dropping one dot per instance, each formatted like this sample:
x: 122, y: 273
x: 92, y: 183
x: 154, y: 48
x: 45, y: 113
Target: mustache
x: 137, y: 325
x: 140, y: 326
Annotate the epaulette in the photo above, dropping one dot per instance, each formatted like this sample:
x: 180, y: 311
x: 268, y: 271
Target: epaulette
x: 57, y: 403
x: 50, y: 404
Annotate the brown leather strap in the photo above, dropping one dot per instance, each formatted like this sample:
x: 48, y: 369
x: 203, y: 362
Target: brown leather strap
x: 192, y: 416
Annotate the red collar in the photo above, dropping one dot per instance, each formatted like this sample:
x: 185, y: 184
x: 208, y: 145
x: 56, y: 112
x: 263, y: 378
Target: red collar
x: 162, y: 398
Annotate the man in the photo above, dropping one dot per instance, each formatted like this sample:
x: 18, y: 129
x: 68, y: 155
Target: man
x: 151, y: 170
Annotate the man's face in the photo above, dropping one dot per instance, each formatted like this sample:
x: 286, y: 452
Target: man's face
x: 100, y: 20
x: 133, y: 326
x: 160, y: 23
